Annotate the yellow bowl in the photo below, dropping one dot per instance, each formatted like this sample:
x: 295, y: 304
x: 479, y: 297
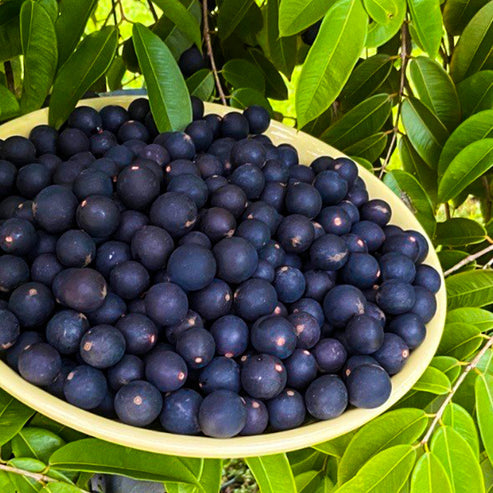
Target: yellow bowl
x: 193, y: 446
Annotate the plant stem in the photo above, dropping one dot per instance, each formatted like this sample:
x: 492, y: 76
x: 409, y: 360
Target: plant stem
x: 447, y: 210
x: 452, y: 392
x: 210, y: 53
x: 153, y: 10
x: 468, y: 260
x: 9, y: 75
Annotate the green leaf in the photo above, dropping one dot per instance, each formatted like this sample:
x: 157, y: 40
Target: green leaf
x: 308, y: 481
x: 484, y: 405
x: 84, y: 67
x: 68, y: 434
x: 60, y: 488
x: 245, y: 97
x: 179, y: 15
x: 249, y: 26
x: 230, y: 15
x: 485, y: 363
x: 275, y: 86
x: 92, y: 455
x: 363, y: 120
x: 476, y: 127
x: 366, y: 79
x: 425, y: 131
x: 408, y: 189
x: 168, y: 92
x: 379, y: 34
x: 39, y: 47
x: 242, y: 73
x: 401, y: 426
x: 336, y: 446
x: 473, y: 51
x: 458, y: 13
x: 27, y: 464
x: 51, y: 7
x: 70, y: 25
x: 369, y: 148
x: 363, y: 162
x: 466, y: 167
x: 449, y: 258
x: 13, y: 416
x: 459, y: 231
x: 115, y: 73
x: 434, y: 87
x: 448, y: 365
x: 201, y: 84
x: 272, y: 473
x: 426, y: 24
x: 487, y: 470
x: 296, y: 15
x: 476, y: 92
x: 9, y: 107
x: 381, y: 11
x: 37, y: 443
x: 10, y: 42
x: 433, y: 381
x: 459, y: 340
x: 429, y: 476
x: 306, y: 460
x: 385, y: 472
x: 470, y: 289
x: 482, y: 319
x: 458, y: 460
x: 330, y: 59
x: 463, y: 423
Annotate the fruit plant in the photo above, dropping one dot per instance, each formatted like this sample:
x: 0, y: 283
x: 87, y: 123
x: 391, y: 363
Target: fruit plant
x: 406, y: 89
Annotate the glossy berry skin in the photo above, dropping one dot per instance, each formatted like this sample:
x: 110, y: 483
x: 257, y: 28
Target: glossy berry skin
x: 410, y: 328
x: 18, y: 150
x: 191, y: 61
x: 72, y: 141
x: 213, y: 301
x: 263, y: 212
x: 130, y: 223
x: 376, y: 313
x: 393, y: 353
x: 395, y: 297
x: 230, y: 197
x: 404, y: 244
x: 220, y: 373
x: 139, y: 331
x: 274, y: 335
x: 32, y: 178
x: 346, y: 168
x: 102, y: 346
x: 209, y: 165
x: 138, y: 403
x: 75, y: 248
x: 65, y: 329
x: 274, y: 171
x: 397, y: 266
x: 318, y: 282
x: 376, y: 210
x: 128, y: 369
x: 131, y: 130
x: 425, y: 305
x: 166, y: 303
x: 113, y: 117
x: 98, y: 215
x: 196, y: 238
x: 85, y: 387
x: 196, y: 346
x: 335, y: 220
x: 181, y: 412
x: 137, y: 186
x: 343, y: 302
x: 330, y: 355
x: 351, y: 210
x: 129, y: 279
x: 296, y: 233
x: 361, y: 270
x: 165, y: 369
x: 254, y: 298
x: 258, y: 119
x: 355, y: 361
x: 307, y: 329
x: 93, y: 182
x: 257, y: 417
x: 151, y: 246
x: 44, y: 139
x: 255, y: 232
x: 301, y: 368
x: 289, y: 283
x: 331, y: 186
x: 287, y: 410
x: 8, y: 174
x: 304, y: 199
x: 110, y: 254
x: 310, y: 306
x: 369, y: 386
x: 358, y: 195
x: 273, y: 253
x: 17, y: 236
x: 39, y: 364
x: 32, y: 303
x: 326, y: 397
x: 427, y: 277
x: 13, y: 272
x: 24, y: 340
x: 329, y: 252
x: 231, y: 336
x: 112, y: 309
x: 175, y: 212
x: 217, y: 223
x: 201, y: 134
x: 9, y: 329
x: 234, y: 125
x: 263, y: 376
x: 372, y: 234
x: 364, y: 335
x: 191, y: 185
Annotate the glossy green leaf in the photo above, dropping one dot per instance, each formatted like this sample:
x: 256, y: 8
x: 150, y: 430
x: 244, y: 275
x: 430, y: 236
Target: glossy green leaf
x: 297, y: 15
x: 89, y: 62
x: 13, y: 416
x: 433, y: 381
x: 429, y: 476
x: 9, y: 107
x: 425, y: 131
x: 476, y: 92
x: 463, y: 423
x: 484, y: 405
x: 476, y: 127
x: 245, y: 97
x: 410, y: 191
x: 92, y: 455
x: 10, y: 41
x: 387, y: 471
x: 459, y: 231
x: 168, y: 92
x: 459, y: 340
x: 115, y: 73
x: 272, y: 473
x: 466, y: 167
x: 242, y: 73
x: 360, y: 122
x: 51, y: 7
x: 201, y: 84
x: 426, y: 21
x: 23, y: 484
x: 68, y: 434
x: 379, y: 34
x: 458, y: 13
x: 230, y: 15
x: 60, y: 488
x: 366, y: 79
x: 304, y: 460
x: 448, y: 365
x: 470, y: 289
x: 363, y: 162
x: 485, y: 364
x: 434, y: 87
x: 249, y: 26
x: 335, y: 447
x: 401, y: 426
x: 474, y: 49
x: 275, y: 86
x: 179, y: 15
x: 330, y: 59
x: 487, y: 470
x: 482, y: 319
x: 458, y: 460
x: 326, y: 486
x: 308, y: 481
x: 27, y: 464
x: 381, y: 11
x: 39, y: 47
x: 70, y: 25
x: 36, y: 443
x: 369, y: 148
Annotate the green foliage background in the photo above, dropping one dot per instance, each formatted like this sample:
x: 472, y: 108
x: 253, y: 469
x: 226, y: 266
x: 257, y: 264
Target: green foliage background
x: 406, y: 88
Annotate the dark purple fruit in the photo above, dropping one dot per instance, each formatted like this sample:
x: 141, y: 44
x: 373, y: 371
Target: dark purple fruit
x: 39, y: 364
x: 32, y: 303
x: 138, y: 403
x: 263, y: 376
x: 287, y: 410
x: 181, y: 412
x: 140, y: 333
x: 85, y: 387
x: 369, y: 386
x: 102, y: 346
x: 326, y: 397
x: 65, y: 329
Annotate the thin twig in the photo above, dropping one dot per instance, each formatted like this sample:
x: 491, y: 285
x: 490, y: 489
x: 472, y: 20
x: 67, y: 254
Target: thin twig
x: 447, y: 210
x: 489, y: 199
x: 468, y: 260
x: 458, y: 383
x: 113, y: 9
x: 153, y: 10
x: 210, y: 53
x: 405, y: 58
x: 9, y: 75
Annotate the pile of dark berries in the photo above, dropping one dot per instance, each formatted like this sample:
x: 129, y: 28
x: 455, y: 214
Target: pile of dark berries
x: 201, y: 281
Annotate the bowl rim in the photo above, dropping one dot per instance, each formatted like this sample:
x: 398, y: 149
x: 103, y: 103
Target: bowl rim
x: 242, y: 446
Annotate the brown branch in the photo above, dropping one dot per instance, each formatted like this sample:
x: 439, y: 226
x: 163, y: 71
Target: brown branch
x: 9, y: 75
x: 210, y: 53
x: 458, y: 383
x: 489, y: 199
x: 153, y: 10
x: 447, y: 210
x: 468, y: 260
